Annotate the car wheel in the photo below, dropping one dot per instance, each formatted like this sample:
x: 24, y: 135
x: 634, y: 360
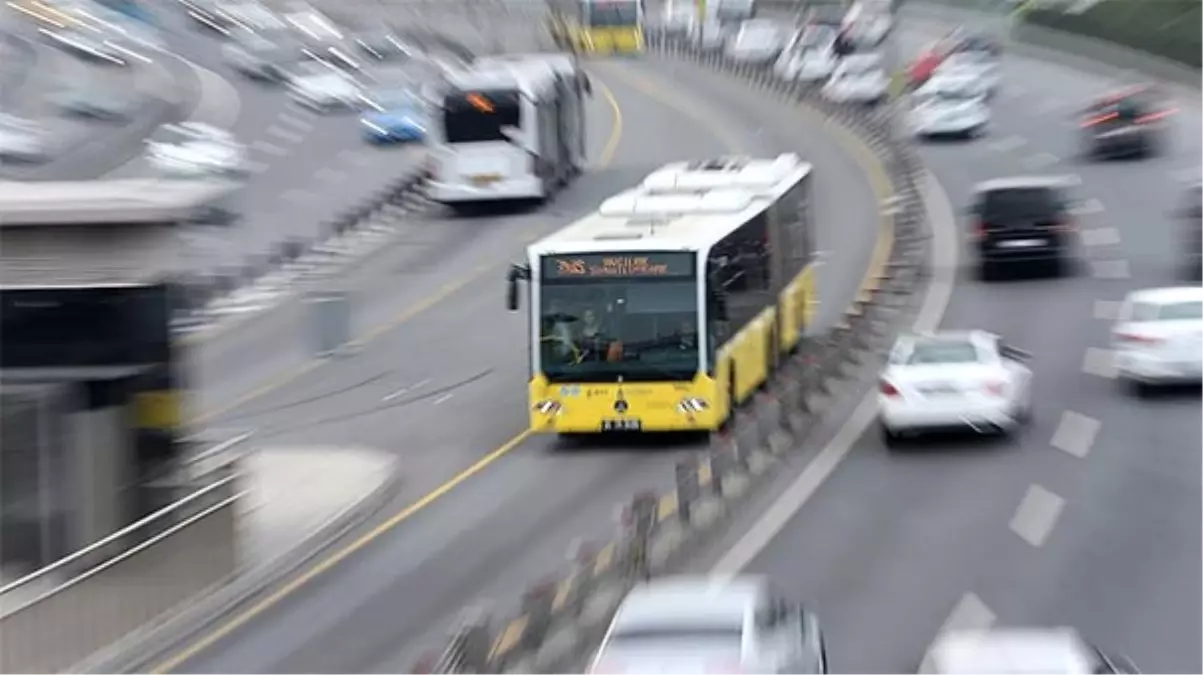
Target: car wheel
x: 1139, y: 388
x: 987, y: 271
x: 889, y: 438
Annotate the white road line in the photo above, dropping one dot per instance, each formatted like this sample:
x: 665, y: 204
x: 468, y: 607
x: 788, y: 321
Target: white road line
x: 969, y: 614
x: 1037, y: 515
x: 1088, y: 208
x: 294, y: 121
x: 1100, y: 236
x: 269, y: 148
x: 1008, y: 144
x: 405, y: 390
x: 442, y: 399
x: 1110, y: 269
x: 939, y: 292
x: 328, y: 175
x: 1107, y: 310
x: 1100, y: 362
x: 1075, y: 434
x: 1040, y: 160
x: 285, y: 134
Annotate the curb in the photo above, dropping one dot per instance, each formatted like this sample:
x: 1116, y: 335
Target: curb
x: 564, y: 615
x: 141, y: 649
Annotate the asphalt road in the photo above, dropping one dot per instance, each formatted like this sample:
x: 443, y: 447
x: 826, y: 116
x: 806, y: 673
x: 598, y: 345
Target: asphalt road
x: 1091, y: 516
x: 446, y: 390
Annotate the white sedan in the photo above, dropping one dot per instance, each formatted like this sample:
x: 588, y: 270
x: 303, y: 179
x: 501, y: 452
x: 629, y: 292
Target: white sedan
x: 322, y: 87
x: 953, y: 380
x: 975, y: 71
x: 948, y: 113
x: 757, y: 41
x: 1158, y: 337
x: 807, y: 63
x: 1019, y: 650
x: 859, y: 78
x: 191, y: 149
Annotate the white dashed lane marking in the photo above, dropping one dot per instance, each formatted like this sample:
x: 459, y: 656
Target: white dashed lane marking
x: 269, y: 148
x: 970, y: 613
x: 1107, y: 310
x: 1100, y: 236
x: 1037, y: 515
x: 1099, y: 362
x: 1075, y: 434
x: 285, y: 134
x: 1088, y: 208
x: 1110, y: 269
x: 294, y: 121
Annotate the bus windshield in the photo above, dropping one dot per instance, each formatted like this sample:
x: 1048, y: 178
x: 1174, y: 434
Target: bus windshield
x: 613, y: 14
x: 640, y: 329
x: 479, y: 116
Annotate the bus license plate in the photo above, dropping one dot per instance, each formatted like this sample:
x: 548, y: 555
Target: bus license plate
x: 621, y: 425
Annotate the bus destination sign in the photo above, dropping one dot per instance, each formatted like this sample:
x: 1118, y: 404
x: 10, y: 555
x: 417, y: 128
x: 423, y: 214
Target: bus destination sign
x: 618, y: 266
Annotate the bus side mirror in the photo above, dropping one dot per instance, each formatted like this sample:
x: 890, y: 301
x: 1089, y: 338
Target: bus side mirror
x: 516, y: 274
x: 717, y: 305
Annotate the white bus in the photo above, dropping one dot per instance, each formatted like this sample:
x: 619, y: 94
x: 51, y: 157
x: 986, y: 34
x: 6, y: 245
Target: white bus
x: 505, y: 133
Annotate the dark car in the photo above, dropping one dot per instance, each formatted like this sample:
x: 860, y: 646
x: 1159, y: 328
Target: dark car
x: 1130, y: 123
x: 1023, y: 222
x: 1191, y: 214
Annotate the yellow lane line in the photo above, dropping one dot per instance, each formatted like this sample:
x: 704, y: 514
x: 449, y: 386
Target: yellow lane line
x: 244, y: 617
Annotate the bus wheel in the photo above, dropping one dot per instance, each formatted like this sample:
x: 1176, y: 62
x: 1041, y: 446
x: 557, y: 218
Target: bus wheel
x: 728, y: 424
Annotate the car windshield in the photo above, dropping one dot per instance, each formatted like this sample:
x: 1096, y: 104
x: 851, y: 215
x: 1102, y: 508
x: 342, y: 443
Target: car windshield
x: 942, y: 97
x: 1186, y: 310
x: 937, y: 352
x: 613, y: 14
x: 860, y: 66
x: 686, y: 640
x: 1018, y: 203
x: 637, y: 328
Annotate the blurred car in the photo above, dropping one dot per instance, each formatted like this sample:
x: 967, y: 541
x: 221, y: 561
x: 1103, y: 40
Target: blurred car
x: 1158, y: 337
x: 859, y: 78
x: 953, y: 380
x: 249, y: 15
x: 1132, y: 122
x: 1023, y: 221
x: 195, y: 149
x: 972, y: 72
x: 205, y: 14
x: 1019, y: 650
x: 261, y: 58
x: 936, y: 113
x: 1191, y: 215
x: 395, y: 116
x: 810, y: 59
x: 23, y: 140
x: 319, y: 86
x: 99, y: 47
x: 692, y: 624
x: 708, y: 34
x: 756, y: 41
x: 95, y: 101
x: 677, y: 18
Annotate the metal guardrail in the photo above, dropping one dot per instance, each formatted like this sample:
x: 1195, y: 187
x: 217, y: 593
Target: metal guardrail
x: 124, y: 581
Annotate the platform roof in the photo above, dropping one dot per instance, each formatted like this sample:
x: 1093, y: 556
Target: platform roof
x: 97, y: 232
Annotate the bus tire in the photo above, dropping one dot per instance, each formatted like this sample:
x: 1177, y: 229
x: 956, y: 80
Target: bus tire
x: 729, y: 423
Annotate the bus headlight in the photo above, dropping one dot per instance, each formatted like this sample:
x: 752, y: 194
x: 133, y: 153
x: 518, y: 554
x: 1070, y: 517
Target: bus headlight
x: 547, y: 407
x: 690, y: 406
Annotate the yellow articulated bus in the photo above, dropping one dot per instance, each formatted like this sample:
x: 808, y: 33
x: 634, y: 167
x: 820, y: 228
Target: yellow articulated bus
x: 597, y: 26
x: 674, y: 302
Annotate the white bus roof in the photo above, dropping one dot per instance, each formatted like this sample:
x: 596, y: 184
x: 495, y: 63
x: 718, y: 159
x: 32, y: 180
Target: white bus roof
x: 524, y: 76
x: 94, y: 202
x: 682, y: 206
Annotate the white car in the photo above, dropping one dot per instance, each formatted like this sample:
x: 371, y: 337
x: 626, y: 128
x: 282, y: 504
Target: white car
x: 1158, y: 337
x: 1019, y: 650
x: 975, y: 70
x: 23, y: 140
x: 191, y: 149
x: 323, y: 87
x: 708, y: 35
x: 677, y: 18
x: 756, y: 41
x: 953, y: 380
x: 808, y: 63
x: 259, y: 58
x: 691, y: 624
x: 859, y: 78
x: 97, y: 47
x: 948, y: 113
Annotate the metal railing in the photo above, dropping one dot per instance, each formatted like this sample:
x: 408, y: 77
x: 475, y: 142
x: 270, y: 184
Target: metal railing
x: 121, y: 583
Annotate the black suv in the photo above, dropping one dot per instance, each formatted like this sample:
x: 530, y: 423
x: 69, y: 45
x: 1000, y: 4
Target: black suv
x: 1023, y: 221
x: 1130, y: 123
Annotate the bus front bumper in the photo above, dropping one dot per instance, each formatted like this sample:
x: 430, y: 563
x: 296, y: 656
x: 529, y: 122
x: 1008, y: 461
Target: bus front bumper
x: 525, y: 187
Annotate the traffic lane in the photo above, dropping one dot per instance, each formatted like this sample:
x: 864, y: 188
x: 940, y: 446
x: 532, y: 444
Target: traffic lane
x: 349, y: 627
x: 428, y: 255
x: 890, y: 543
x: 519, y: 515
x: 18, y: 58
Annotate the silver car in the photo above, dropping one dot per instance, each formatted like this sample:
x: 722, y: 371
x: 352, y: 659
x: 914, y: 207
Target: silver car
x: 694, y: 624
x: 322, y: 87
x: 194, y: 149
x: 23, y: 140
